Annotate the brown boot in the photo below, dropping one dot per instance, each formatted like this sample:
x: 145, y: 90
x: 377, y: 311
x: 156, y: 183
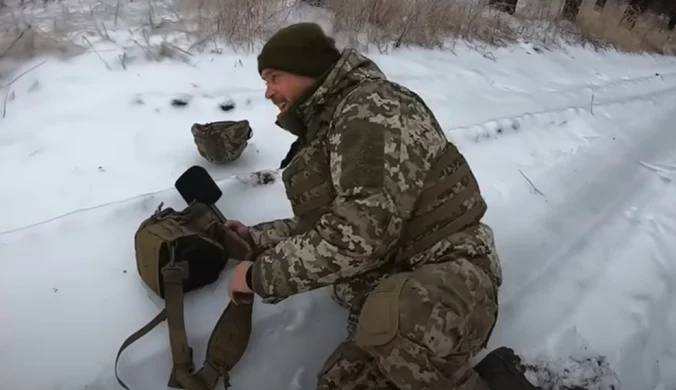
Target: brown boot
x: 502, y: 370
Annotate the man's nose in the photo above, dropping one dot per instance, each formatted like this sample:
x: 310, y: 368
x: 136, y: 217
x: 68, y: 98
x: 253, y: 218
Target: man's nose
x: 268, y: 92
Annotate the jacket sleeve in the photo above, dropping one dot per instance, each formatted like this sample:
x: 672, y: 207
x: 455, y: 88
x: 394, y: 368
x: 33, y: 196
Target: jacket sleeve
x: 380, y: 147
x: 265, y: 235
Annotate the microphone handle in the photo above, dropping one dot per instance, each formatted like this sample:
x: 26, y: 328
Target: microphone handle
x: 218, y: 213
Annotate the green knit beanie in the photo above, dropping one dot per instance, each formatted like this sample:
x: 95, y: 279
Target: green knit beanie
x: 302, y: 49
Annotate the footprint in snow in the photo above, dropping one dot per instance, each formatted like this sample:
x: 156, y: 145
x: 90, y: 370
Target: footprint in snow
x: 632, y: 214
x: 296, y: 383
x: 589, y: 373
x: 667, y: 172
x: 180, y: 101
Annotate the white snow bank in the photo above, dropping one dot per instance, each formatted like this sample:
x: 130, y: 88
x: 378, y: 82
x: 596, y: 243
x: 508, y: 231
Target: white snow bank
x: 117, y: 132
x: 580, y: 194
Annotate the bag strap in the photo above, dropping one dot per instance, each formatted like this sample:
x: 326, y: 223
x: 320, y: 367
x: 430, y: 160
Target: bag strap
x: 135, y: 336
x: 181, y: 353
x: 226, y: 345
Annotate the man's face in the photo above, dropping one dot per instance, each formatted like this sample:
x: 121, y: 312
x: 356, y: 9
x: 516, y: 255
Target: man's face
x: 283, y: 88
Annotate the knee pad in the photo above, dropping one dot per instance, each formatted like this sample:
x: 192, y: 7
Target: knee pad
x: 379, y: 319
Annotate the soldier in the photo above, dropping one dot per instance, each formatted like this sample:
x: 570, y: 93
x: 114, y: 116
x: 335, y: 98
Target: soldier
x: 387, y: 211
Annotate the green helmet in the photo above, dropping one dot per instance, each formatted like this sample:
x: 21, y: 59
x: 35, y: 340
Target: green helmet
x: 222, y: 142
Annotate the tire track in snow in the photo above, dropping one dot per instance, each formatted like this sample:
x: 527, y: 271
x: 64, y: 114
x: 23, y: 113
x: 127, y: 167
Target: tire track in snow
x: 640, y: 285
x: 628, y: 313
x: 549, y: 250
x: 614, y: 83
x: 495, y: 126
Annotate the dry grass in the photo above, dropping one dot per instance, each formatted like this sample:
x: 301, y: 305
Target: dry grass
x: 30, y: 41
x: 241, y: 23
x: 23, y: 37
x: 426, y: 23
x: 174, y: 29
x: 54, y: 27
x: 608, y: 29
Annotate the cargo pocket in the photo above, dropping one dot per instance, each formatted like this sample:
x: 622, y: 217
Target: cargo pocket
x: 379, y: 318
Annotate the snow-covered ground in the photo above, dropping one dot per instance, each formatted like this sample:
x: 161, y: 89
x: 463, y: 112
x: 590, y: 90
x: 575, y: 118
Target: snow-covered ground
x: 575, y: 152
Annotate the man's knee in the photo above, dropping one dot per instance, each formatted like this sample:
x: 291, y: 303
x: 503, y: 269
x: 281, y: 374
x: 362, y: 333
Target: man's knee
x: 447, y: 308
x: 430, y: 322
x: 380, y: 318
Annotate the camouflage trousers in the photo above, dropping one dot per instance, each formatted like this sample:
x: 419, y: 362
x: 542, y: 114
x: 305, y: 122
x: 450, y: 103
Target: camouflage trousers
x: 417, y: 331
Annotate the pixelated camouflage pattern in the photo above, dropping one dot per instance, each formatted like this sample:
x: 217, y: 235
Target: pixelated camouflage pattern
x: 221, y: 142
x: 374, y: 178
x: 351, y: 368
x: 475, y: 243
x: 265, y: 235
x: 446, y: 312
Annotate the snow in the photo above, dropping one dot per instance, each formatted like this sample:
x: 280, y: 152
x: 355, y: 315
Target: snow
x: 574, y: 150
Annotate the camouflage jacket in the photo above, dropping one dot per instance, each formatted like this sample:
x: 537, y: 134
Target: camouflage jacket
x: 375, y: 187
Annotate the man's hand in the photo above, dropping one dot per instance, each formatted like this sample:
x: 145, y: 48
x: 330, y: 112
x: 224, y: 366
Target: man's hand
x: 240, y: 292
x: 240, y: 229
